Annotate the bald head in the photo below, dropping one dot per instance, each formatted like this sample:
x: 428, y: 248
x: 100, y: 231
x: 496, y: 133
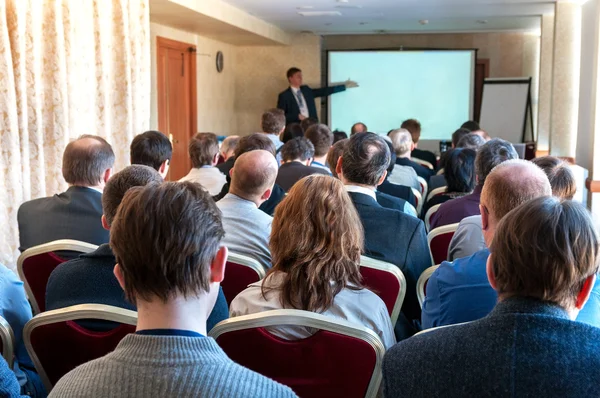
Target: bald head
x: 253, y: 174
x: 512, y: 183
x: 87, y: 161
x: 402, y: 142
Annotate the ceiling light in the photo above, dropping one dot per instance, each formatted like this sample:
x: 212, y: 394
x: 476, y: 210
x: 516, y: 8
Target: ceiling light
x: 342, y: 1
x: 348, y: 6
x: 319, y: 13
x: 305, y: 8
x: 424, y: 21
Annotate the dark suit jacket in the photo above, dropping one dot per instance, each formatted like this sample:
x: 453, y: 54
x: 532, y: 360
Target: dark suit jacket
x: 74, y: 214
x: 292, y: 172
x: 287, y: 101
x: 396, y: 238
x: 390, y: 202
x: 425, y: 155
x: 524, y: 348
x: 226, y: 166
x: 399, y: 191
x: 421, y: 170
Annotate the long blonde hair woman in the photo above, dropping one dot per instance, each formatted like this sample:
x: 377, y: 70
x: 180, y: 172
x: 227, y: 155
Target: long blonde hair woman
x: 316, y: 242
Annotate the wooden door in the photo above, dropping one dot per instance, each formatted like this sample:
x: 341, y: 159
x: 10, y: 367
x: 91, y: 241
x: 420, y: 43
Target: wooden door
x: 176, y: 80
x: 482, y: 70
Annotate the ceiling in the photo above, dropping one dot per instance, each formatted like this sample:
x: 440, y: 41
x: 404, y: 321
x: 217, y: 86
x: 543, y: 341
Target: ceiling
x: 383, y: 16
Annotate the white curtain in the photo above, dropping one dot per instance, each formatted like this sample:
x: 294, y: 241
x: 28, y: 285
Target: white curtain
x: 67, y: 67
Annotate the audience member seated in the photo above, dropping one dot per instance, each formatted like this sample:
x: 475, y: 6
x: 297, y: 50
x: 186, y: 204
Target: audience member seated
x: 543, y: 265
x: 399, y: 191
x: 307, y: 122
x: 404, y: 147
x: 170, y: 265
x: 317, y: 213
x: 227, y: 151
x: 488, y: 156
x: 403, y: 174
x: 471, y: 141
x: 390, y: 235
x: 470, y: 125
x: 459, y: 291
x: 297, y: 155
x: 322, y: 139
x: 562, y: 179
x: 9, y: 386
x: 292, y: 130
x: 247, y: 229
x: 89, y: 279
x: 414, y: 127
x: 273, y: 124
x: 204, y: 154
x: 460, y: 176
x: 388, y: 200
x: 338, y: 136
x: 74, y: 214
x: 358, y: 128
x: 249, y: 143
x: 15, y: 308
x: 152, y: 149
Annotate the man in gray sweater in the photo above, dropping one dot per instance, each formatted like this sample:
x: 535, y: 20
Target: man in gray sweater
x: 170, y: 263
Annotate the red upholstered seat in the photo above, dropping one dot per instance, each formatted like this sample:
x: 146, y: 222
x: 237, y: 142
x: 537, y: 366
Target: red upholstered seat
x: 240, y: 271
x: 385, y: 280
x: 439, y: 241
x: 327, y: 364
x: 56, y: 344
x: 37, y: 263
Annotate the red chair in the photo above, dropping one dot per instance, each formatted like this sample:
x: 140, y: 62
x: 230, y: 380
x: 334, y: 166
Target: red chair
x: 439, y: 241
x: 240, y: 271
x: 436, y: 191
x: 385, y: 280
x: 340, y: 360
x: 57, y: 345
x: 37, y: 263
x: 418, y: 200
x: 7, y: 339
x: 429, y: 214
x: 422, y: 283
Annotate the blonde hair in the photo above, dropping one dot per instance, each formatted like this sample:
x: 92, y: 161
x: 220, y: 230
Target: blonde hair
x: 316, y: 241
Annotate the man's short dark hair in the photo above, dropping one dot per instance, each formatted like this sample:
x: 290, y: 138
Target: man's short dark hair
x: 355, y: 128
x: 203, y: 148
x: 471, y: 125
x: 136, y: 175
x: 459, y: 170
x: 562, y: 179
x: 86, y: 159
x: 365, y: 159
x: 273, y: 121
x: 471, y: 140
x: 393, y: 157
x: 321, y: 137
x: 458, y: 135
x: 334, y: 154
x: 545, y: 249
x: 254, y: 141
x: 490, y: 155
x: 292, y: 131
x: 339, y: 135
x: 151, y: 148
x: 308, y: 122
x: 169, y: 253
x: 292, y: 71
x: 414, y: 126
x: 297, y: 149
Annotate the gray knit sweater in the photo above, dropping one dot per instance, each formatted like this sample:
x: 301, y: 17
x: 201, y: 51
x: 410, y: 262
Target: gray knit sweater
x: 166, y: 366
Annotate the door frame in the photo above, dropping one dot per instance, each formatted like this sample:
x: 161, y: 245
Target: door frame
x: 161, y: 91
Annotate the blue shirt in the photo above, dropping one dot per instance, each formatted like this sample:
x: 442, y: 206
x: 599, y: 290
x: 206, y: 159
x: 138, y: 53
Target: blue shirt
x: 461, y: 292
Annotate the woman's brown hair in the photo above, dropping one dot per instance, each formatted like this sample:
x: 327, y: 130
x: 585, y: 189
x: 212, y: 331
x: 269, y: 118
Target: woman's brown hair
x: 316, y: 241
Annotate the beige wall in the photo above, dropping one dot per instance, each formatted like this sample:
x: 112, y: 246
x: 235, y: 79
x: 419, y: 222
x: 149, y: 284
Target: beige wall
x: 260, y: 76
x: 215, y: 91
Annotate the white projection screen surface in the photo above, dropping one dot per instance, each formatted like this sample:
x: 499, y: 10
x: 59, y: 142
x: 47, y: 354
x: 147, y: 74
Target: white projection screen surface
x: 432, y: 86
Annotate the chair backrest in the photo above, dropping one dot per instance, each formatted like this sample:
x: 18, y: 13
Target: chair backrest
x: 440, y: 327
x: 430, y: 213
x: 436, y: 191
x: 239, y: 273
x: 424, y: 186
x: 340, y: 360
x: 57, y: 345
x: 385, y: 280
x: 37, y: 263
x: 422, y: 283
x: 439, y: 241
x: 418, y: 199
x: 7, y: 339
x: 440, y: 172
x: 422, y: 162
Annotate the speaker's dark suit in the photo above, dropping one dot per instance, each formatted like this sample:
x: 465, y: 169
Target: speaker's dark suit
x: 287, y: 101
x: 396, y: 238
x: 74, y: 214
